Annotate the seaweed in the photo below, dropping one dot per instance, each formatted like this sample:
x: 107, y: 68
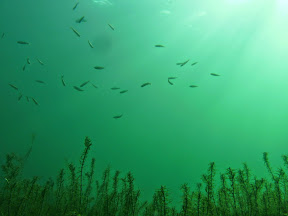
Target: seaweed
x: 75, y: 192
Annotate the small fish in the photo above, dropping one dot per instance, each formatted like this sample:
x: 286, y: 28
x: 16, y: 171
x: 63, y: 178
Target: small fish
x: 90, y: 44
x: 28, y: 61
x: 20, y: 96
x: 75, y: 6
x: 99, y: 68
x: 23, y: 68
x: 170, y: 82
x: 193, y: 86
x: 169, y: 78
x: 124, y: 91
x: 62, y: 80
x: 111, y: 26
x: 194, y: 63
x: 40, y: 62
x: 115, y: 88
x: 23, y: 42
x: 159, y: 45
x: 118, y: 116
x: 85, y: 83
x: 94, y: 85
x: 40, y: 81
x: 77, y: 88
x: 14, y: 87
x: 27, y: 98
x: 81, y: 19
x: 145, y: 84
x: 76, y: 32
x: 214, y: 74
x: 182, y: 64
x: 35, y: 101
x: 2, y: 35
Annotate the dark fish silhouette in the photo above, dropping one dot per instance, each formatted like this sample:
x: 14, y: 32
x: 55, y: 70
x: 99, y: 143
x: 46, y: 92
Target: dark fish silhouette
x: 40, y: 62
x: 35, y: 101
x: 23, y: 68
x: 183, y: 63
x: 90, y: 44
x: 193, y: 86
x: 170, y: 82
x: 62, y: 80
x: 145, y: 84
x: 99, y: 68
x: 214, y: 74
x: 75, y: 6
x: 2, y: 35
x: 23, y: 42
x: 124, y: 91
x: 77, y: 88
x: 111, y: 26
x: 85, y: 83
x: 159, y: 45
x: 115, y: 88
x: 14, y: 87
x: 194, y: 63
x: 28, y: 61
x: 81, y: 19
x: 118, y: 116
x: 20, y: 96
x: 76, y: 32
x: 94, y: 85
x: 40, y: 81
x: 169, y: 78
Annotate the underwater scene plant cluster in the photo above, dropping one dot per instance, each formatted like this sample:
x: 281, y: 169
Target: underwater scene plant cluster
x: 76, y: 192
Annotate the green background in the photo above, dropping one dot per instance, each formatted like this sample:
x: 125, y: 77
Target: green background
x: 168, y: 134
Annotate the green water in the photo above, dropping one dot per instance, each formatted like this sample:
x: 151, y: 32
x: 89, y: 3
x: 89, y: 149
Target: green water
x: 168, y: 133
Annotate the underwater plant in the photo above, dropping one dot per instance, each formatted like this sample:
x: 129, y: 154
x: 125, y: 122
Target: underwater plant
x: 75, y: 192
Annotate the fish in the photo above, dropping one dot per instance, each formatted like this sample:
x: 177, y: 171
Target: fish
x: 75, y: 6
x: 170, y: 82
x: 23, y: 68
x: 35, y: 101
x: 85, y: 83
x: 62, y: 80
x: 124, y: 91
x: 193, y: 86
x: 111, y: 26
x: 118, y: 116
x: 23, y: 42
x: 28, y: 61
x: 145, y: 84
x: 214, y: 74
x: 76, y: 32
x: 40, y: 62
x: 169, y: 78
x: 14, y: 87
x: 27, y: 98
x: 90, y: 44
x: 194, y: 63
x: 40, y: 81
x: 182, y: 64
x: 115, y: 88
x: 20, y: 96
x: 94, y: 85
x: 99, y: 68
x: 81, y: 19
x: 2, y: 35
x: 77, y: 88
x: 159, y: 45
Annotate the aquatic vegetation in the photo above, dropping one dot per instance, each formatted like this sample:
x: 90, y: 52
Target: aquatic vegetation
x: 72, y: 193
